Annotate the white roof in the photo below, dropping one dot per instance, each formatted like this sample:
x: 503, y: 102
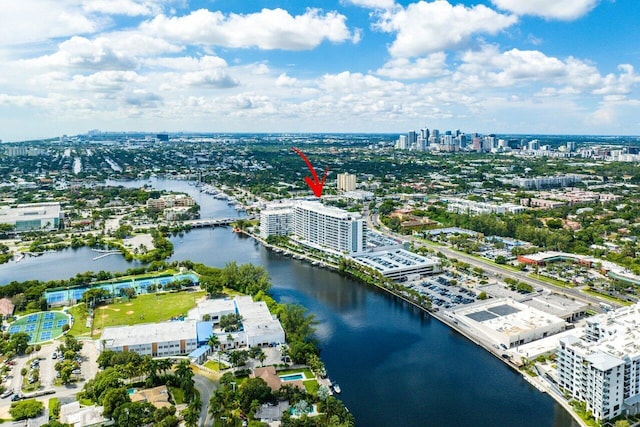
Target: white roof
x: 146, y: 333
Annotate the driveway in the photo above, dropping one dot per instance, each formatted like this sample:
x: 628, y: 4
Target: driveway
x: 205, y: 387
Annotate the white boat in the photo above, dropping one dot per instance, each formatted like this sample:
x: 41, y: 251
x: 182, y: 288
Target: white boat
x: 336, y: 388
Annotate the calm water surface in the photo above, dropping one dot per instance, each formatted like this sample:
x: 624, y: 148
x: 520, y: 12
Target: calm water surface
x: 396, y: 365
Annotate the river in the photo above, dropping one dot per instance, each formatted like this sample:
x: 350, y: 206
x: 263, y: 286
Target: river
x: 396, y: 365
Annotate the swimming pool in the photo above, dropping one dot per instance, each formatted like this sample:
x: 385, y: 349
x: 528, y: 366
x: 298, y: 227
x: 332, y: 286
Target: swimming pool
x: 292, y: 377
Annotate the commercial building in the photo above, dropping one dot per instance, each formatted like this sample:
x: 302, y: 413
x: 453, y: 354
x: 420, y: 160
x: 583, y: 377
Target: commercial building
x: 543, y: 181
x: 329, y: 228
x: 169, y: 201
x: 32, y: 216
x: 476, y: 208
x: 508, y: 323
x: 602, y: 367
x: 399, y: 264
x: 346, y: 182
x: 276, y: 220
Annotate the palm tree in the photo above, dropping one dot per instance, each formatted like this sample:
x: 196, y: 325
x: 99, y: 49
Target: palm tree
x: 213, y: 342
x: 164, y: 365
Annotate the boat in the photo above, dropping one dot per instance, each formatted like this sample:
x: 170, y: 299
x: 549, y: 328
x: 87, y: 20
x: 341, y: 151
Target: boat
x: 336, y: 388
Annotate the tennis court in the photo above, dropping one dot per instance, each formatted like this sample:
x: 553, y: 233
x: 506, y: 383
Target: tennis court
x: 42, y: 326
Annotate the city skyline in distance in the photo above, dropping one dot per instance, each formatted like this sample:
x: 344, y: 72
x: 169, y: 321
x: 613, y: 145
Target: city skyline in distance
x: 375, y: 66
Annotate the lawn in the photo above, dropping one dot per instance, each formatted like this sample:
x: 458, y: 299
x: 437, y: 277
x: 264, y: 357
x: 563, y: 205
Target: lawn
x: 151, y: 308
x: 178, y: 395
x: 210, y: 364
x: 79, y: 313
x: 606, y: 297
x: 550, y: 280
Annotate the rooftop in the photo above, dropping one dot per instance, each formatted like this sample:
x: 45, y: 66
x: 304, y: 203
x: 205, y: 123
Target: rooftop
x: 394, y: 260
x: 119, y: 336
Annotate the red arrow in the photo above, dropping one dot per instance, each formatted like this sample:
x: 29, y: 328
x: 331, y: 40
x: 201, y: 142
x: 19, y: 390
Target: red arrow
x: 315, y: 184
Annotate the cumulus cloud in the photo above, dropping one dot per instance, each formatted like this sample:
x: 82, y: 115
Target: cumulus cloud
x: 434, y: 65
x: 214, y: 78
x: 286, y: 81
x: 424, y: 28
x: 28, y: 21
x: 267, y: 29
x: 124, y: 7
x: 373, y: 4
x: 106, y: 81
x: 567, y: 10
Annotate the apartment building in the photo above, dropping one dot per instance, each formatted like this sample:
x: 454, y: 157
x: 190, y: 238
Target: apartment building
x: 346, y: 182
x: 329, y: 228
x: 602, y: 367
x: 276, y: 220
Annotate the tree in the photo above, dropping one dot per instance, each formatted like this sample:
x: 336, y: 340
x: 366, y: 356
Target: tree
x: 253, y: 389
x: 24, y: 409
x: 19, y: 342
x: 238, y: 357
x: 482, y: 295
x: 231, y: 322
x: 213, y: 342
x: 622, y: 423
x: 216, y: 405
x: 134, y: 414
x: 113, y: 398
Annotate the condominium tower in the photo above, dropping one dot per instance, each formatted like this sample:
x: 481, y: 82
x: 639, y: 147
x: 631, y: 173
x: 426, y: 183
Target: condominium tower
x: 329, y: 228
x: 346, y: 182
x: 602, y: 368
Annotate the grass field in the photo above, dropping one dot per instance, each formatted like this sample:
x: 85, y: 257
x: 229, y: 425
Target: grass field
x: 606, y: 297
x: 550, y: 280
x: 210, y: 364
x: 146, y: 309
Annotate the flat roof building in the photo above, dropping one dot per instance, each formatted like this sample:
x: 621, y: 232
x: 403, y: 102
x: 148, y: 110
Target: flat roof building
x: 346, y: 182
x: 399, y: 264
x: 32, y: 216
x: 154, y: 339
x: 276, y: 220
x: 508, y: 323
x: 602, y: 366
x: 329, y: 228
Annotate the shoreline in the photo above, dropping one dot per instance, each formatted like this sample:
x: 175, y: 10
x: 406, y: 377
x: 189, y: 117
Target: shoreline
x: 537, y: 382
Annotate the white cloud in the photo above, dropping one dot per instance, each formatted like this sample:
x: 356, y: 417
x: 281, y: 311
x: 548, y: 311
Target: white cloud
x: 551, y: 9
x: 28, y: 21
x: 373, y: 4
x: 124, y: 7
x: 267, y: 29
x: 214, y: 78
x: 187, y: 63
x: 434, y: 65
x: 106, y: 81
x: 424, y: 28
x: 286, y: 81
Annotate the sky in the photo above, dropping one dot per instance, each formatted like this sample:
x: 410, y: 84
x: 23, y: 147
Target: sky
x: 375, y: 66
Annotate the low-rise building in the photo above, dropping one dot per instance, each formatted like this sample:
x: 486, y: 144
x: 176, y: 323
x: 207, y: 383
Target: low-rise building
x: 399, y: 264
x: 508, y: 323
x: 153, y: 339
x: 32, y: 216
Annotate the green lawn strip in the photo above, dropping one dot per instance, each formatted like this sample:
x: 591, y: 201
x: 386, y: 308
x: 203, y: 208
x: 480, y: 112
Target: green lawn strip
x: 312, y: 386
x: 178, y: 395
x: 79, y: 327
x: 210, y: 364
x: 53, y: 404
x: 549, y: 280
x: 148, y: 308
x: 306, y: 371
x: 606, y: 297
x: 86, y: 402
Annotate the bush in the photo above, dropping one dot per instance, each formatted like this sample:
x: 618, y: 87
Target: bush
x: 25, y: 409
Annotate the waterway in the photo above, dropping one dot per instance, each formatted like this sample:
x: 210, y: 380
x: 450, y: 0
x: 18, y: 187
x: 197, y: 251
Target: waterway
x: 396, y: 365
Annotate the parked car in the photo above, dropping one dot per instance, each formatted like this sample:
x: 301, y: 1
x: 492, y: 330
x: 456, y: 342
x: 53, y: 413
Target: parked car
x: 6, y: 394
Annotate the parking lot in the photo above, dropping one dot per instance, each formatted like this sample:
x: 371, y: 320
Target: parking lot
x: 444, y: 291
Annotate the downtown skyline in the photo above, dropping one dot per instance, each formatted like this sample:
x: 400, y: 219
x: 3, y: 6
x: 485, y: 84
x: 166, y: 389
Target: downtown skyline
x: 504, y: 66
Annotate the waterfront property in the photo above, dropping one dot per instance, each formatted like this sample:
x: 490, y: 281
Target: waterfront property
x: 602, y: 366
x: 276, y: 220
x: 141, y: 285
x: 41, y: 326
x: 508, y: 323
x: 399, y: 264
x: 181, y: 337
x: 328, y: 228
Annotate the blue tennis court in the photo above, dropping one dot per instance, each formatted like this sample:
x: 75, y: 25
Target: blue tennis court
x: 14, y: 329
x: 45, y: 336
x: 49, y: 316
x: 30, y: 327
x: 60, y: 323
x: 32, y: 318
x: 47, y: 325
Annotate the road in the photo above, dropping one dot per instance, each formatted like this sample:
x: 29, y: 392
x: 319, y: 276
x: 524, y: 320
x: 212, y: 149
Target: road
x: 205, y: 387
x: 492, y: 270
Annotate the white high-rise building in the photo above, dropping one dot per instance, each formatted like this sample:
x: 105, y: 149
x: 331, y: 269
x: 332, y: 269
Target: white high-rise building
x: 602, y: 368
x: 276, y: 220
x: 346, y: 182
x: 329, y: 228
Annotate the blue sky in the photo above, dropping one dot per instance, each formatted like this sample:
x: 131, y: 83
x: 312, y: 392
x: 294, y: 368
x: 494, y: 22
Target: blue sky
x: 491, y: 66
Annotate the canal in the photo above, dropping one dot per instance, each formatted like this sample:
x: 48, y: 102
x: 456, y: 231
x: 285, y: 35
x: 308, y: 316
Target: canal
x: 396, y: 365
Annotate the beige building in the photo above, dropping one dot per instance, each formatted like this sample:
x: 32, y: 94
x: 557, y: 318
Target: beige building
x: 346, y: 182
